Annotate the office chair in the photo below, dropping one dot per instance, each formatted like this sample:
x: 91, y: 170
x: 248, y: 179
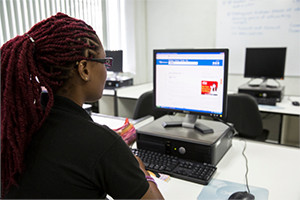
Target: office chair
x: 145, y: 106
x: 243, y: 112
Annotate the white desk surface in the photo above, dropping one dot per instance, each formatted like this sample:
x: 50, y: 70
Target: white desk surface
x: 271, y: 166
x: 283, y: 107
x: 135, y: 91
x: 116, y: 122
x: 108, y: 92
x: 129, y: 92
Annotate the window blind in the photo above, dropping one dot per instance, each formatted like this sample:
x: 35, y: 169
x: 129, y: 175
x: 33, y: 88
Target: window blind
x: 17, y: 17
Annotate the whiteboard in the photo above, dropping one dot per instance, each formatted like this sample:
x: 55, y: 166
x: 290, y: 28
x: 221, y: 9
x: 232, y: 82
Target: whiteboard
x: 259, y: 23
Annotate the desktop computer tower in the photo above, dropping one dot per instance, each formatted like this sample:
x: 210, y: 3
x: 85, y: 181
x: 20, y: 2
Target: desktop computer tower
x: 263, y: 92
x: 186, y: 143
x: 112, y: 83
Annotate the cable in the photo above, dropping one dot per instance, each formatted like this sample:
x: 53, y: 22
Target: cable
x: 289, y: 99
x: 234, y: 131
x: 265, y: 115
x: 243, y: 152
x: 247, y: 170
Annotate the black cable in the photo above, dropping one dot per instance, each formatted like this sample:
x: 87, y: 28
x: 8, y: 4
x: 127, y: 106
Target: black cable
x: 266, y: 116
x: 247, y: 170
x: 234, y: 131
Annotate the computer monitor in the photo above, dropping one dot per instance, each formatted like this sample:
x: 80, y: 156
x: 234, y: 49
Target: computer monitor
x: 265, y: 63
x: 191, y: 81
x: 117, y: 56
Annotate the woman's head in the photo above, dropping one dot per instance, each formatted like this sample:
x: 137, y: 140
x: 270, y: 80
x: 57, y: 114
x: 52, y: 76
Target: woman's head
x: 51, y: 55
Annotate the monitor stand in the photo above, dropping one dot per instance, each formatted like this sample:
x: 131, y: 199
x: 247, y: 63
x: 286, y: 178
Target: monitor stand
x: 189, y: 122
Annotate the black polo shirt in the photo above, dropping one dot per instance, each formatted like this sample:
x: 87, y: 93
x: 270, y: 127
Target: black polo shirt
x: 73, y: 157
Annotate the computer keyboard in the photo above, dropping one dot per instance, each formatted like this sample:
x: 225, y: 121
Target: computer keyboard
x: 266, y: 101
x: 192, y: 171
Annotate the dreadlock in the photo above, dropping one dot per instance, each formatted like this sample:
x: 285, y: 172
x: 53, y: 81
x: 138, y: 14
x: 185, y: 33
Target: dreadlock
x: 44, y: 56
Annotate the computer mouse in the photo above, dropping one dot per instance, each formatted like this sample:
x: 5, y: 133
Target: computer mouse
x: 296, y: 103
x: 242, y: 196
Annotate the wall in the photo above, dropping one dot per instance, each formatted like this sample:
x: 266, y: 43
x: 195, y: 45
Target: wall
x: 179, y: 24
x: 185, y: 24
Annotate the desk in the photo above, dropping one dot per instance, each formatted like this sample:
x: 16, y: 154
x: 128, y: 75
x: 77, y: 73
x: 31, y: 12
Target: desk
x: 126, y: 97
x: 135, y: 91
x: 112, y: 92
x: 114, y: 122
x: 266, y: 165
x: 282, y: 108
x: 127, y: 92
x: 271, y: 166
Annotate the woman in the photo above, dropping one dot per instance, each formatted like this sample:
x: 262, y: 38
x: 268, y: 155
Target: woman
x: 56, y: 150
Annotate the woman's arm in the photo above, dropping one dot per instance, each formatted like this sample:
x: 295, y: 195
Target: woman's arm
x: 152, y: 192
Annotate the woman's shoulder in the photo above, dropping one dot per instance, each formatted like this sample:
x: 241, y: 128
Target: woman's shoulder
x: 103, y: 129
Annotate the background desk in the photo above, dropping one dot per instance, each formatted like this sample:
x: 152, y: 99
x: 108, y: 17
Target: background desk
x: 284, y: 116
x: 288, y: 132
x: 271, y: 166
x: 121, y: 101
x: 284, y: 107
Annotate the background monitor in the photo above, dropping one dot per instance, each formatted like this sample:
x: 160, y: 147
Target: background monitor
x: 265, y: 63
x: 191, y: 81
x: 117, y: 56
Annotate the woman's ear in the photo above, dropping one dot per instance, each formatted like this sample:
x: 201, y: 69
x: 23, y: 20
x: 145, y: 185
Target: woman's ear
x: 83, y: 70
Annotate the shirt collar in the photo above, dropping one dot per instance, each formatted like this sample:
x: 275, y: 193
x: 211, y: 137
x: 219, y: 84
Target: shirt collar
x: 66, y: 104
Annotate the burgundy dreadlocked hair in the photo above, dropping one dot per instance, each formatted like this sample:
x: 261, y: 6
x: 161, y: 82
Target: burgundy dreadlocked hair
x: 44, y: 56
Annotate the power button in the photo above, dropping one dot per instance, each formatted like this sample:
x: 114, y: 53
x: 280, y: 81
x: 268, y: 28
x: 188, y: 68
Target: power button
x: 181, y: 150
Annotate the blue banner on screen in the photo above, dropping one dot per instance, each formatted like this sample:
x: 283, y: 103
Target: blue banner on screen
x: 189, y: 62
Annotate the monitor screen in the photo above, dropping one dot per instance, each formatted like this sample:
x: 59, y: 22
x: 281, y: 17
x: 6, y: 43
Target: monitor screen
x: 192, y: 81
x: 265, y: 63
x: 117, y: 56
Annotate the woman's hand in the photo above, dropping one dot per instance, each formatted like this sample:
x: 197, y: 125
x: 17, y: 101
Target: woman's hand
x: 152, y: 192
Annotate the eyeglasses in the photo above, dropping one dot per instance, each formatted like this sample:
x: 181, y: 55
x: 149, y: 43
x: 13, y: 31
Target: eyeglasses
x: 107, y: 61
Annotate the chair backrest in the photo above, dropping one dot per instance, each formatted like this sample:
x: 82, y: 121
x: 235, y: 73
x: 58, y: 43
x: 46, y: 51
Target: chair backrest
x: 243, y: 112
x: 145, y: 106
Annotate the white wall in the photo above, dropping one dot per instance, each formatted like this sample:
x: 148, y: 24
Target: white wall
x: 182, y: 24
x: 179, y: 24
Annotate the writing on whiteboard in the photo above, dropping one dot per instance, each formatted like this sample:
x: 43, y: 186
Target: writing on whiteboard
x: 259, y: 23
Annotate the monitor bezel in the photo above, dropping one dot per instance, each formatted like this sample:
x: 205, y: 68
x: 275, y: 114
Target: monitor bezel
x: 225, y: 81
x: 246, y: 66
x: 115, y: 69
